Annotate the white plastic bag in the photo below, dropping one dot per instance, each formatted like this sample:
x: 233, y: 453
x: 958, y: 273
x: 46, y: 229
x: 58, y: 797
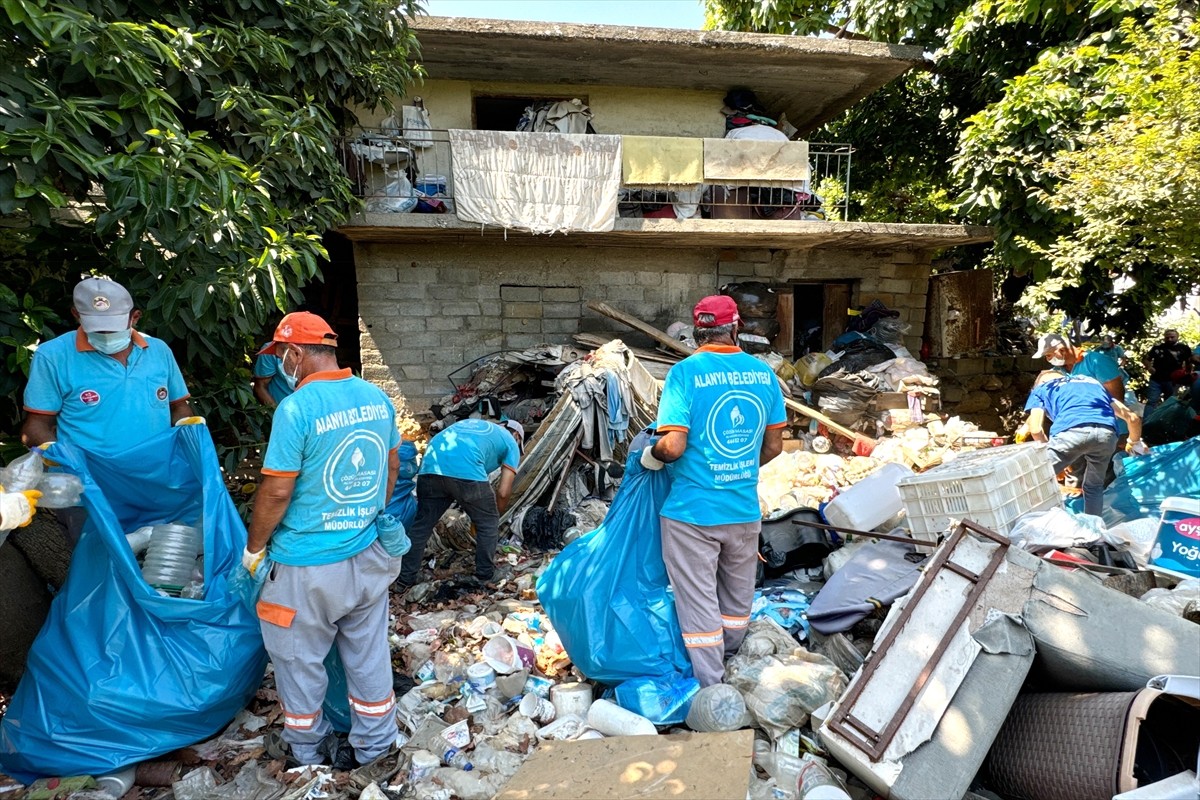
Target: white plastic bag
x: 398, y: 196
x: 417, y: 130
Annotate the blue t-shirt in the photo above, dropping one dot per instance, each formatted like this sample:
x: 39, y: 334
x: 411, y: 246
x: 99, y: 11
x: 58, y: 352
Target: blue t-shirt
x: 102, y: 405
x: 333, y: 434
x: 1103, y: 368
x: 269, y: 366
x: 470, y: 450
x: 1073, y: 401
x: 725, y: 400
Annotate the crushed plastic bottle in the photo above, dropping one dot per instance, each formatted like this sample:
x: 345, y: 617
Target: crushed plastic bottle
x: 450, y: 755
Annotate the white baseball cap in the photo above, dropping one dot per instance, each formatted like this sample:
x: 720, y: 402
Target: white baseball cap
x: 103, y: 305
x: 516, y: 428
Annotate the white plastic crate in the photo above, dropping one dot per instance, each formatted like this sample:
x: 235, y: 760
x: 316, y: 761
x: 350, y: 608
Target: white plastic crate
x: 991, y: 487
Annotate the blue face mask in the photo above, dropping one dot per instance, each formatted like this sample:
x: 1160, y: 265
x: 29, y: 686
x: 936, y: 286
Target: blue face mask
x: 111, y: 343
x: 290, y: 379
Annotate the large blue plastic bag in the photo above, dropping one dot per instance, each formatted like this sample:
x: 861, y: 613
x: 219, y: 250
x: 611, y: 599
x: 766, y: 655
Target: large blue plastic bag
x: 120, y: 674
x: 662, y: 700
x: 607, y: 592
x: 1171, y: 470
x: 403, y: 504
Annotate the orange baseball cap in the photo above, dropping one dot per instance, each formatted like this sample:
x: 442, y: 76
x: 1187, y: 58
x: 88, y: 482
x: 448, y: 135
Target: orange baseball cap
x: 301, y: 327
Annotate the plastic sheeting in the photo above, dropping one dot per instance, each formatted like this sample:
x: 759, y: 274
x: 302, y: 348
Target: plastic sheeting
x: 1171, y: 470
x: 607, y: 592
x: 403, y: 505
x: 120, y: 674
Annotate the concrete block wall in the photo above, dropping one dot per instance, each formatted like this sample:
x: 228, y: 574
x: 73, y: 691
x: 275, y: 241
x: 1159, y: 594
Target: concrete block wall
x: 428, y: 309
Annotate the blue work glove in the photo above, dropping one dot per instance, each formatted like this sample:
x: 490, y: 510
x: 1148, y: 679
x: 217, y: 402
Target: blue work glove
x: 392, y: 537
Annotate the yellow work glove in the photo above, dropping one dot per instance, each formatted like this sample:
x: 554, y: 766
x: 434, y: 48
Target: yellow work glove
x: 191, y: 421
x: 17, y: 508
x: 44, y: 446
x: 251, y: 560
x: 1136, y: 448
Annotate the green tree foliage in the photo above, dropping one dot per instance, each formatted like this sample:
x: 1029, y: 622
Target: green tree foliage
x: 1002, y: 130
x: 188, y: 150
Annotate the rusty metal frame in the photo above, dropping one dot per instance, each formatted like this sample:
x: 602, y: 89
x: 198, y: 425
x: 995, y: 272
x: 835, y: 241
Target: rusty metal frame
x: 859, y: 733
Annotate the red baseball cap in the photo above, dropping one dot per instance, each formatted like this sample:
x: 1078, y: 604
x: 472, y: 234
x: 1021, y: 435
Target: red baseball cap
x: 301, y: 327
x: 715, y: 310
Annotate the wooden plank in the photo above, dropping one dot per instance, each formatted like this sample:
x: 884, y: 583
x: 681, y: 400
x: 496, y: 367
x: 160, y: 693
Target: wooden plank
x: 654, y: 333
x: 709, y: 765
x: 833, y: 321
x: 786, y: 315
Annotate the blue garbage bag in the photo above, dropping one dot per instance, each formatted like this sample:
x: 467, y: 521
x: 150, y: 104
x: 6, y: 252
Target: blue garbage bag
x: 120, y: 674
x: 662, y: 700
x: 1170, y: 470
x: 607, y: 592
x: 403, y: 504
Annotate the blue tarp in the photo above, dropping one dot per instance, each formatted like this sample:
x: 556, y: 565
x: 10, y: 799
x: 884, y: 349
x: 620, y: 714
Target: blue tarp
x: 1170, y: 470
x: 120, y: 674
x: 607, y: 592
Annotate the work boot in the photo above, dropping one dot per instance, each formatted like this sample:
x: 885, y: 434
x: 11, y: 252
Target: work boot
x: 337, y: 752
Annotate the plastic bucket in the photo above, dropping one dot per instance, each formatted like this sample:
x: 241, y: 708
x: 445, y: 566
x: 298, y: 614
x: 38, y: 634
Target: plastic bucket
x: 612, y: 720
x: 1177, y: 547
x: 571, y: 698
x: 431, y: 184
x: 481, y: 677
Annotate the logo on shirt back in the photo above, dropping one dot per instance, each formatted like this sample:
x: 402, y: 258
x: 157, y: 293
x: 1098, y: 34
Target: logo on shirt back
x: 735, y: 423
x: 356, y: 469
x: 89, y: 397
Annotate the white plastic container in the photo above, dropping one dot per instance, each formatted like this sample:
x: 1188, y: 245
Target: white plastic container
x: 612, y: 720
x: 991, y: 487
x: 816, y: 782
x: 481, y: 677
x: 1177, y: 547
x: 537, y: 709
x: 422, y: 765
x: 171, y: 557
x: 574, y: 697
x: 870, y: 502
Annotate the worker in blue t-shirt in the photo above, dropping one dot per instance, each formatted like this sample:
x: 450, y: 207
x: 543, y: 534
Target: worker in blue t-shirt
x: 104, y: 387
x: 455, y: 469
x: 270, y: 383
x: 1083, y: 418
x: 330, y: 466
x: 720, y: 417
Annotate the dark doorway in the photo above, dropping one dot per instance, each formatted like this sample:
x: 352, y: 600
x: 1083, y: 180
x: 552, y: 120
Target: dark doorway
x: 819, y: 315
x: 503, y: 113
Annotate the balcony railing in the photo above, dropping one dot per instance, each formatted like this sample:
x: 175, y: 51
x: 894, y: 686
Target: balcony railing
x: 394, y: 174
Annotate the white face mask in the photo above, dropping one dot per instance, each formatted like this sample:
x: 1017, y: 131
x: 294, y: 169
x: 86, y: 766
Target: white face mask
x: 293, y: 378
x: 1057, y: 362
x: 111, y: 343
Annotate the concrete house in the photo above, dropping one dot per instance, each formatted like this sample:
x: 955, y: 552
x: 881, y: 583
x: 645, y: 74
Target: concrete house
x: 435, y: 292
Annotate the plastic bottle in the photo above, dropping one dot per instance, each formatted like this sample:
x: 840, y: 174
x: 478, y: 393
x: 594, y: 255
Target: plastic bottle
x: 117, y: 783
x: 23, y: 473
x: 59, y: 490
x: 612, y: 720
x: 171, y: 557
x: 450, y: 755
x: 816, y: 782
x: 783, y: 768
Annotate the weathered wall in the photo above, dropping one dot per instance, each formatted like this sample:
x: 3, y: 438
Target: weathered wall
x: 989, y: 391
x: 426, y: 310
x: 616, y: 109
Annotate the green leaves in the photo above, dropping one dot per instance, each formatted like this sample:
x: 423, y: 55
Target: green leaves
x: 198, y: 140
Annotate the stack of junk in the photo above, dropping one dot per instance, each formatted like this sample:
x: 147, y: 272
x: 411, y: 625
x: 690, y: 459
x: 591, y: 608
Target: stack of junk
x: 933, y: 618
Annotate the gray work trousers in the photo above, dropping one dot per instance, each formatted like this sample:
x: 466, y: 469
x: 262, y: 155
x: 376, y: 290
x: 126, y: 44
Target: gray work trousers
x: 1094, y: 445
x: 712, y: 572
x: 303, y: 612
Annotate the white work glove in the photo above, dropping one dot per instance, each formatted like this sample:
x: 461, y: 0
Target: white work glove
x: 649, y: 461
x: 190, y: 421
x: 251, y: 560
x: 1137, y: 448
x: 17, y: 508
